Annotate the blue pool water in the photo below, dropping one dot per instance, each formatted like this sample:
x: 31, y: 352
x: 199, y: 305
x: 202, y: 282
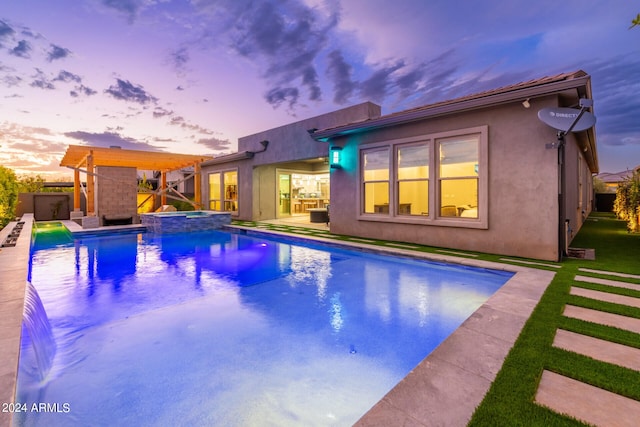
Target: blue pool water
x: 218, y: 328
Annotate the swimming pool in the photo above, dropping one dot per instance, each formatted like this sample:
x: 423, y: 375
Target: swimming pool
x: 218, y: 328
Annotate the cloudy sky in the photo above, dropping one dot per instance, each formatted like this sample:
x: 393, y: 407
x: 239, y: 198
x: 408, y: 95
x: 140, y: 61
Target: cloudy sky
x: 192, y: 76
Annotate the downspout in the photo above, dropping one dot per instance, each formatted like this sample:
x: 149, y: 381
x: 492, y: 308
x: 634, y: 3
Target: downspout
x: 562, y: 228
x: 563, y: 225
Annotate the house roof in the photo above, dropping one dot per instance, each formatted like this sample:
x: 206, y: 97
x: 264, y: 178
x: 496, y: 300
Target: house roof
x: 616, y: 177
x: 577, y: 84
x: 76, y: 157
x: 517, y: 92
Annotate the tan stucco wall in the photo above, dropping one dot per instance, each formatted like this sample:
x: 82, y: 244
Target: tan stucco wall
x: 575, y: 213
x: 264, y: 192
x: 522, y: 186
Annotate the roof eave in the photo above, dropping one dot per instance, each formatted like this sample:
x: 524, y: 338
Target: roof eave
x: 455, y: 107
x: 241, y: 155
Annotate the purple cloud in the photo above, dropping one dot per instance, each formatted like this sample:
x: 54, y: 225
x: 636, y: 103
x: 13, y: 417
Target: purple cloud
x: 57, y: 52
x: 108, y: 139
x: 126, y: 91
x: 22, y: 49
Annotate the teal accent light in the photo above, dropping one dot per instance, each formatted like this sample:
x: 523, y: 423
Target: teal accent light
x: 335, y: 156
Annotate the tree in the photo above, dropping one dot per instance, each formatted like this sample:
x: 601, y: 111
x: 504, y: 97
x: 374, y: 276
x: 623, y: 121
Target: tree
x: 8, y: 195
x: 599, y: 186
x: 30, y: 184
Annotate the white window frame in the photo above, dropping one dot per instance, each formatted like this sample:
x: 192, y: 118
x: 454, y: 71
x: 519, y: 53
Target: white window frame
x: 433, y: 218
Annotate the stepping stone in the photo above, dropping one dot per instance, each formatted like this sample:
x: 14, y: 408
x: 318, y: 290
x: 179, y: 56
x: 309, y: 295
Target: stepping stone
x: 608, y: 319
x: 531, y: 262
x: 457, y: 253
x: 400, y: 245
x: 605, y: 296
x: 605, y: 351
x: 585, y: 402
x: 608, y: 282
x: 610, y: 273
x: 354, y: 239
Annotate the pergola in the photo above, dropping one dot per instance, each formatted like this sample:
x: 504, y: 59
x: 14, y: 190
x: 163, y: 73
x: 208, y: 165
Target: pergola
x: 82, y: 158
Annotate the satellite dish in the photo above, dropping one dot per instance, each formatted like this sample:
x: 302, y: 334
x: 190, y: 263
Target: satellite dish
x: 563, y: 118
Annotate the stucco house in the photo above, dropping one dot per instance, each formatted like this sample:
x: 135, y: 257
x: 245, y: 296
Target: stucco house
x: 477, y: 173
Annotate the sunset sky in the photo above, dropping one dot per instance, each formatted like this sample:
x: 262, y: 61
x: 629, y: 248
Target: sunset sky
x: 192, y: 76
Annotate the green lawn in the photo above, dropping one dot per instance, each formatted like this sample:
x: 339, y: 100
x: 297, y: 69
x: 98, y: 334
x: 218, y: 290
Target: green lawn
x: 509, y: 402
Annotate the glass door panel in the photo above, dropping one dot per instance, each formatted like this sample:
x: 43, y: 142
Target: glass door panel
x: 284, y: 194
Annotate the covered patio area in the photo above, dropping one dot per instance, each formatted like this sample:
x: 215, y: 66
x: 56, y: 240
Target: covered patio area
x: 112, y: 182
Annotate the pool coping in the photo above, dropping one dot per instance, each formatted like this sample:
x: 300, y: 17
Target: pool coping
x: 444, y: 389
x: 14, y: 270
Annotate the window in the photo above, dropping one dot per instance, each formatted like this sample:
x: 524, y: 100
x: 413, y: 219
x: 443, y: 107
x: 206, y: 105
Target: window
x: 375, y: 180
x: 458, y: 176
x: 580, y: 194
x: 231, y: 191
x: 413, y: 180
x: 438, y: 179
x: 223, y: 191
x: 214, y: 191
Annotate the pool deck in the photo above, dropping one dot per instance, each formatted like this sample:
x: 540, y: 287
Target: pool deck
x: 444, y: 389
x: 14, y: 267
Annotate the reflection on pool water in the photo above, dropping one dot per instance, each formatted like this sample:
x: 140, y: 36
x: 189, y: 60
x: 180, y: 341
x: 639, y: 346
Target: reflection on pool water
x: 218, y: 328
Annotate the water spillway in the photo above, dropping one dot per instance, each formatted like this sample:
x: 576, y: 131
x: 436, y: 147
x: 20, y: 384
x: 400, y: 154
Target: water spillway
x: 36, y: 323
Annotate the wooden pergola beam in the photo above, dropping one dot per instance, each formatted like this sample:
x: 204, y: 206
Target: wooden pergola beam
x: 163, y: 185
x: 76, y: 190
x: 144, y: 160
x: 78, y: 156
x: 91, y: 210
x: 196, y: 185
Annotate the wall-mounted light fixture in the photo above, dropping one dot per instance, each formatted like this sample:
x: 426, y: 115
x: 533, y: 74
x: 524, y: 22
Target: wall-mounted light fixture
x: 335, y: 156
x: 526, y: 103
x: 264, y: 144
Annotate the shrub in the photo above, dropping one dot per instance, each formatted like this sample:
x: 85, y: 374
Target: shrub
x: 181, y: 205
x: 627, y: 203
x: 8, y: 195
x: 30, y: 184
